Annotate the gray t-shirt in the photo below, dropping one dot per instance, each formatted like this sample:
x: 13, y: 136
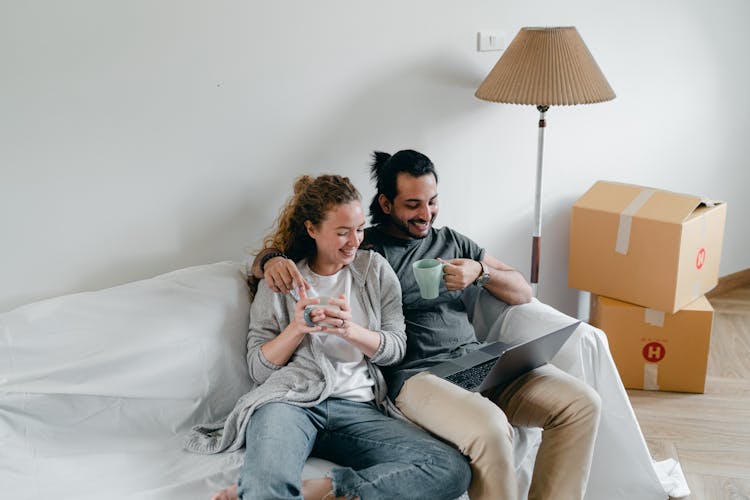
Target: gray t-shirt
x: 436, y: 329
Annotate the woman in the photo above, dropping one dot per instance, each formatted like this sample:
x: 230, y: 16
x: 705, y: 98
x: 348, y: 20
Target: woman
x: 318, y: 390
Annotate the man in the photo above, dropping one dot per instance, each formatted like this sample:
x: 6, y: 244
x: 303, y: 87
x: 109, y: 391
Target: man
x: 480, y: 425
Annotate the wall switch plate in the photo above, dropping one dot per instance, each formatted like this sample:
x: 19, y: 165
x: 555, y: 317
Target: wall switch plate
x: 490, y: 40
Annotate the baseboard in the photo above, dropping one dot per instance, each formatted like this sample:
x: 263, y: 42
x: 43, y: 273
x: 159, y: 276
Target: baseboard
x: 730, y: 282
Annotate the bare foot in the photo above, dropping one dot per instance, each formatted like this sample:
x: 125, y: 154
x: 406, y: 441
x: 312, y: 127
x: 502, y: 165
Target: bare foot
x: 227, y: 494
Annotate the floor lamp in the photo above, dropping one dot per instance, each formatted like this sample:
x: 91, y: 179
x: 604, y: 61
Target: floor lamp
x: 545, y: 67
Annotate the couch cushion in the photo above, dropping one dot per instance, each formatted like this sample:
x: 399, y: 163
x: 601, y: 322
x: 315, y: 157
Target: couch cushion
x: 97, y: 388
x: 177, y: 338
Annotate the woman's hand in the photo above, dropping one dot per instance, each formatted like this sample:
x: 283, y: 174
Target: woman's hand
x: 281, y: 348
x: 337, y: 321
x: 299, y: 323
x: 341, y: 325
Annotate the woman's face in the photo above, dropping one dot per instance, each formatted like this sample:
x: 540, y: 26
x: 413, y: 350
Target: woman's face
x: 337, y: 237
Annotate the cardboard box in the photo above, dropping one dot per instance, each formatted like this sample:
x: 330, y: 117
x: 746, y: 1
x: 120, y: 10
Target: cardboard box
x: 654, y: 350
x: 645, y: 246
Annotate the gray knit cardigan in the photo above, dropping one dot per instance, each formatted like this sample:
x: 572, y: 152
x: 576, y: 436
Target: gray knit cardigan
x: 304, y: 380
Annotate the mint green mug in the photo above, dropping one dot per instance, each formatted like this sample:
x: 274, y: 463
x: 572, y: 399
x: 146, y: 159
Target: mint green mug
x: 429, y: 274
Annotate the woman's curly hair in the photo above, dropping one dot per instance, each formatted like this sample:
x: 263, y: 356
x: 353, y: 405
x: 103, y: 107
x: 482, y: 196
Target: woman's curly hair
x: 312, y: 199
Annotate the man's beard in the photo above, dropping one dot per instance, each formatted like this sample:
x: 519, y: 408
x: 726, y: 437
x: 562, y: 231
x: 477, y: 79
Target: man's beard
x: 404, y: 228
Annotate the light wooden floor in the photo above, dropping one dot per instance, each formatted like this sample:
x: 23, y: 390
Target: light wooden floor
x: 709, y: 434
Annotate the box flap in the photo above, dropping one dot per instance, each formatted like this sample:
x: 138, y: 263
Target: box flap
x: 699, y: 304
x: 641, y: 202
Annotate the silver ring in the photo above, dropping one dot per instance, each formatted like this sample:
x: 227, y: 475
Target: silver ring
x: 342, y: 322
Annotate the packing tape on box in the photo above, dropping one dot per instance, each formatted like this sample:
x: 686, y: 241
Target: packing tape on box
x: 626, y: 219
x: 650, y: 376
x: 651, y: 370
x: 654, y: 317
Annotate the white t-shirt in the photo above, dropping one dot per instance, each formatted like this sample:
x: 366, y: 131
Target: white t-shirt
x: 352, y: 380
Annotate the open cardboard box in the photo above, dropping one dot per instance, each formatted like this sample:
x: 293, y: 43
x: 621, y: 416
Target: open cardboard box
x: 646, y: 246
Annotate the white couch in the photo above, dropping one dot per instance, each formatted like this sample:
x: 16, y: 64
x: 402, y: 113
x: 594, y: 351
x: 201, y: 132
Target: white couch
x: 97, y: 390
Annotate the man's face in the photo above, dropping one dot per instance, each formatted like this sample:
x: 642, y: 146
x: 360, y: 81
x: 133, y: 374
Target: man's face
x: 414, y: 208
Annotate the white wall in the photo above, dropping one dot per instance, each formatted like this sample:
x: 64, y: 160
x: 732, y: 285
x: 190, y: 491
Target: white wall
x: 143, y: 136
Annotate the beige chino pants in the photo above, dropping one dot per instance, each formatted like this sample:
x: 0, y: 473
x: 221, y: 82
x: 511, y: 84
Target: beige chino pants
x: 566, y: 409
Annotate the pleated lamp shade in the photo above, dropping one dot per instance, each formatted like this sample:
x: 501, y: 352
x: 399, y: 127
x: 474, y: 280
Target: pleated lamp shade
x: 546, y: 67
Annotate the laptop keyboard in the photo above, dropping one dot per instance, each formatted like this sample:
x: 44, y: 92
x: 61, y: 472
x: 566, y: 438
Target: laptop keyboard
x: 472, y: 377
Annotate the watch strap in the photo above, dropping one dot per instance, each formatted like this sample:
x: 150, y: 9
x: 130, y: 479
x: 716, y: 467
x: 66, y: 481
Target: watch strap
x: 484, y: 276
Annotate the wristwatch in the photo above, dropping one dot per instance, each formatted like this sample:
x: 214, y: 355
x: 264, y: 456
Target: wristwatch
x: 484, y: 276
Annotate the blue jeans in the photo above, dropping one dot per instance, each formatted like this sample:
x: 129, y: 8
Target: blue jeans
x: 382, y: 457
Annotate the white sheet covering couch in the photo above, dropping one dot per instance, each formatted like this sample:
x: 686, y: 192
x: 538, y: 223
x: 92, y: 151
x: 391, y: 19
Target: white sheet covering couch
x: 97, y: 390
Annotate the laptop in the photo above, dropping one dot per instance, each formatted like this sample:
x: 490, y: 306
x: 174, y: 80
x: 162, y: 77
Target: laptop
x: 498, y: 363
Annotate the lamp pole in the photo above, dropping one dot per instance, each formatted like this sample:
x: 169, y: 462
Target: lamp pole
x: 536, y: 239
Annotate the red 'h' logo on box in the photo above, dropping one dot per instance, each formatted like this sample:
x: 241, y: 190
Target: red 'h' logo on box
x: 653, y: 352
x: 700, y: 259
